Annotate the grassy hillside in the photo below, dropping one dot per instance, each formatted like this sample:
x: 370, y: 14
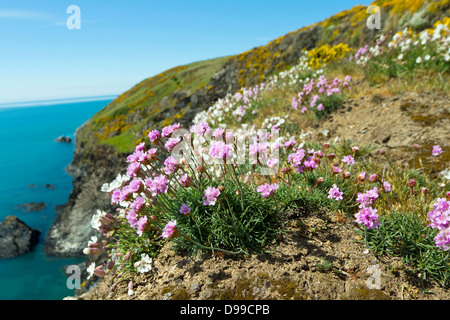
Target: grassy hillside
x: 167, y: 97
x: 145, y: 105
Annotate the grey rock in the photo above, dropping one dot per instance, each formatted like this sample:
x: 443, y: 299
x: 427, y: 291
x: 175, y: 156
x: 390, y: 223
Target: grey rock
x: 32, y: 206
x: 63, y: 139
x: 16, y: 237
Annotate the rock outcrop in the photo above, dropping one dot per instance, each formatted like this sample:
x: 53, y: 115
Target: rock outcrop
x: 32, y: 206
x: 71, y: 230
x: 16, y: 237
x: 63, y: 139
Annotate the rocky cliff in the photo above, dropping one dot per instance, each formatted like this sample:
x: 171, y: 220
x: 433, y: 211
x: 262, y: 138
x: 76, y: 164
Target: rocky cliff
x: 178, y: 94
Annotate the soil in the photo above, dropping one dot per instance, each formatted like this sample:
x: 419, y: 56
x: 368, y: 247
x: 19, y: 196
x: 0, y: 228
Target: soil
x: 321, y: 257
x: 394, y: 123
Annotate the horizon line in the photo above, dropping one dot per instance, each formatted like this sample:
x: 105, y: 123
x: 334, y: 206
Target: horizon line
x: 46, y: 102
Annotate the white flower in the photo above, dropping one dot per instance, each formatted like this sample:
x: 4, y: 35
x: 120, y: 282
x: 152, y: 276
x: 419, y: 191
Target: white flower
x: 400, y: 57
x: 95, y: 221
x: 427, y: 57
x: 446, y: 174
x: 94, y: 239
x: 145, y: 264
x: 90, y: 270
x: 117, y: 183
x: 418, y: 60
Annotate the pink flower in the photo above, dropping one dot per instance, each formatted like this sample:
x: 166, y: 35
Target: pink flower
x: 115, y: 197
x: 366, y: 199
x: 137, y: 204
x: 267, y: 190
x: 154, y: 135
x: 132, y: 218
x: 140, y: 146
x: 171, y: 165
x: 335, y: 193
x: 297, y: 157
x: 368, y: 217
x: 151, y: 154
x: 442, y: 239
x: 167, y: 131
x: 272, y: 163
x: 310, y: 163
x: 210, y: 197
x: 171, y: 143
x: 436, y: 151
x: 386, y: 187
x: 220, y: 150
x: 439, y: 217
x: 170, y: 230
x: 349, y: 160
x: 135, y: 186
x: 218, y: 133
x: 336, y: 170
x: 362, y: 176
x: 200, y: 129
x: 133, y: 169
x: 289, y: 144
x: 157, y: 185
x: 137, y: 156
x: 185, y: 180
x: 141, y: 224
x: 184, y: 209
x: 320, y: 107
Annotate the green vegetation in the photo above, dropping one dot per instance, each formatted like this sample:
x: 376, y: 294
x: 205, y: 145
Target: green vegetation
x: 234, y: 208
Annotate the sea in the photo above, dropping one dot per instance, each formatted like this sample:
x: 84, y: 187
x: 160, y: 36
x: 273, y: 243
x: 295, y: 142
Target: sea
x: 32, y: 169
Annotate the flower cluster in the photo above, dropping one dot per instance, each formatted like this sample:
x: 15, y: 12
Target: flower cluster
x: 439, y: 219
x: 367, y: 216
x: 317, y: 90
x: 409, y: 49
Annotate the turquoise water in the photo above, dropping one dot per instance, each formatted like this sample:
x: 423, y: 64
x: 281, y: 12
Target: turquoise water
x: 29, y: 155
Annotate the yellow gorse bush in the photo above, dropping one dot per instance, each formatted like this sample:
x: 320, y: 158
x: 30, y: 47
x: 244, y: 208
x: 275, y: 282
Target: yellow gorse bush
x: 325, y: 54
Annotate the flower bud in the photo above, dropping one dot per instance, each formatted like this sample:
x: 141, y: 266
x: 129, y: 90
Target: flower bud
x: 221, y: 188
x: 412, y: 183
x: 201, y: 169
x: 111, y: 264
x: 130, y: 288
x: 99, y: 272
x: 91, y: 251
x: 320, y: 180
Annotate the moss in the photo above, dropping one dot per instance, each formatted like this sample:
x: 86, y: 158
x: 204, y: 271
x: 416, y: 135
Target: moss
x: 287, y: 288
x: 364, y: 293
x: 176, y: 293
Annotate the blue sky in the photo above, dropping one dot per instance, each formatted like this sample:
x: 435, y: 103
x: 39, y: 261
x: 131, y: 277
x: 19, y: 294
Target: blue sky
x: 121, y: 43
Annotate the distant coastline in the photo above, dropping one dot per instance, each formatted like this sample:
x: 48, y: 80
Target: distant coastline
x: 38, y: 103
